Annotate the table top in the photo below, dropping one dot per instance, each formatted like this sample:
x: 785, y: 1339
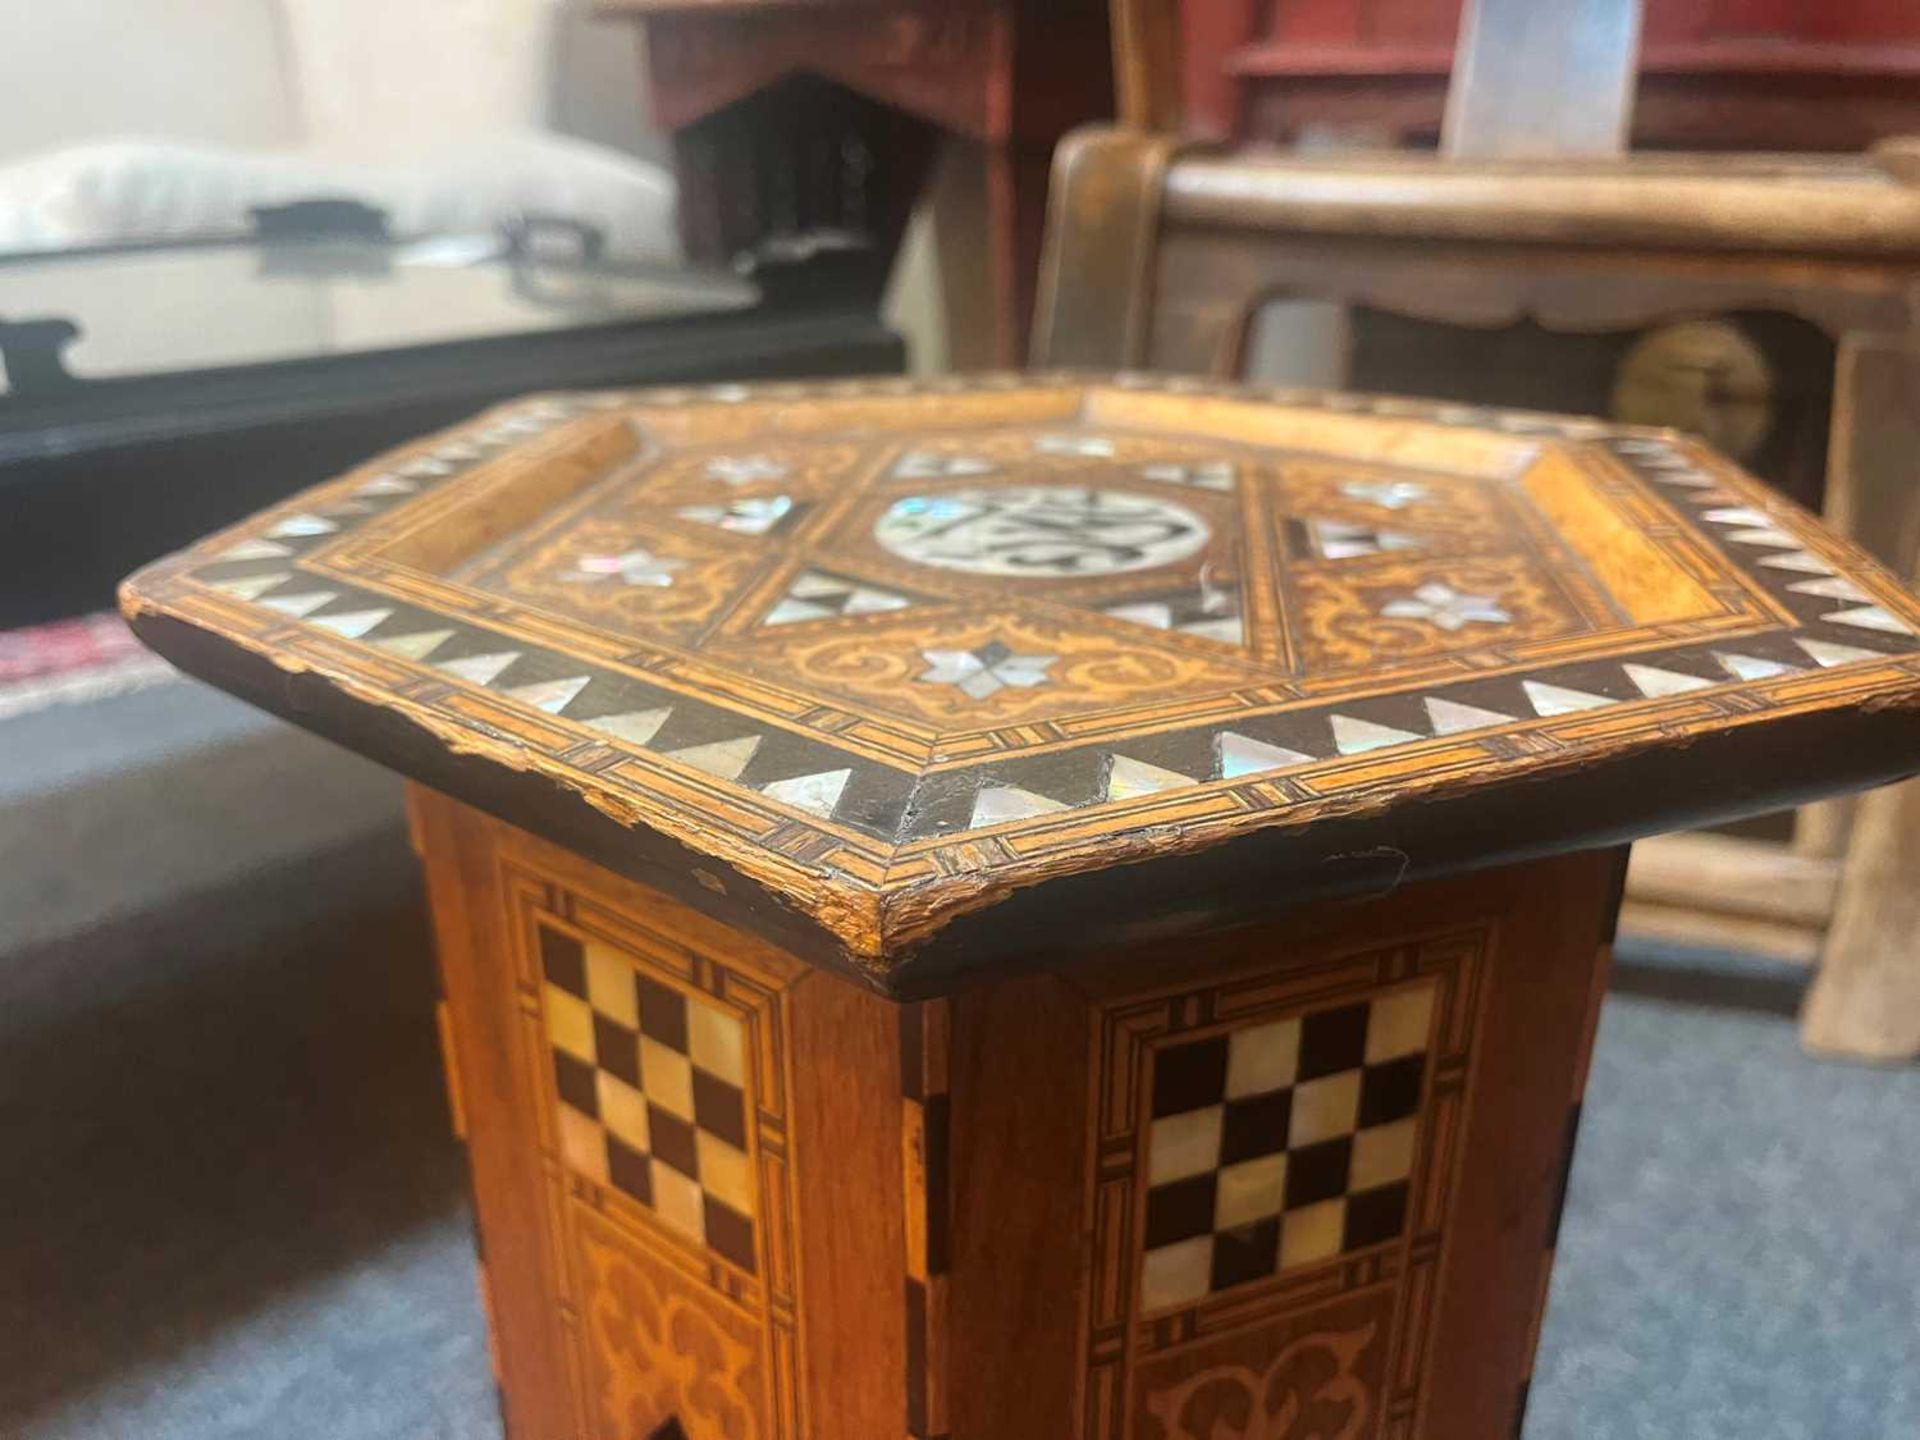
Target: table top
x: 921, y: 679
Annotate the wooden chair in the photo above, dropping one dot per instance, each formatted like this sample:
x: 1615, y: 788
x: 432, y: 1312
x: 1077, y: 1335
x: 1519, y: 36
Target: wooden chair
x: 1160, y: 255
x: 791, y: 120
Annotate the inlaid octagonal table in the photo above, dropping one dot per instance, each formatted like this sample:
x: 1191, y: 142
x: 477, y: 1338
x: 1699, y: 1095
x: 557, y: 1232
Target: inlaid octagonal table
x: 1037, y: 907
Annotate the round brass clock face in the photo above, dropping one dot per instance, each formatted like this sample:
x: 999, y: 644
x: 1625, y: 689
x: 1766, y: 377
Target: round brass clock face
x: 1702, y: 376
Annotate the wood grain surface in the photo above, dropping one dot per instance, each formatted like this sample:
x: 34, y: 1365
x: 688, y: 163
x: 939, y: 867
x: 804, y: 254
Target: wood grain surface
x: 919, y: 681
x: 1286, y: 1182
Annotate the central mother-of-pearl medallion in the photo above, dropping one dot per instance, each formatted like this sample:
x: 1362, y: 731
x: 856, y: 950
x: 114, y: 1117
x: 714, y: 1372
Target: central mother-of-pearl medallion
x: 1042, y: 531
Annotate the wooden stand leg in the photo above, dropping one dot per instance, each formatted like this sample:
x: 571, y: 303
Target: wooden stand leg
x: 1288, y: 1181
x: 1865, y: 999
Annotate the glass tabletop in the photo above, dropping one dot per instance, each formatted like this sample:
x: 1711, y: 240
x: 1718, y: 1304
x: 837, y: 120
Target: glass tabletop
x: 179, y: 308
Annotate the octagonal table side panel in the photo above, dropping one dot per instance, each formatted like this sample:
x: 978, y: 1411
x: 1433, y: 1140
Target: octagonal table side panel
x: 1262, y: 1175
x: 686, y: 1151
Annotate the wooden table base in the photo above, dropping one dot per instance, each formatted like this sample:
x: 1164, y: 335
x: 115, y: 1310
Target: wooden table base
x: 1294, y: 1180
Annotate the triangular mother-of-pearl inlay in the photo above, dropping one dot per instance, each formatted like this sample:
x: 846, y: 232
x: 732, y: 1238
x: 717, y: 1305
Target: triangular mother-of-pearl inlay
x: 1653, y: 682
x: 1751, y: 667
x: 302, y: 604
x: 1692, y: 479
x: 816, y: 794
x: 1827, y: 654
x: 1228, y: 632
x: 1450, y: 717
x: 1160, y: 615
x: 251, y: 587
x: 416, y: 646
x: 997, y: 803
x: 352, y: 623
x: 811, y: 585
x: 386, y: 485
x: 256, y: 550
x: 1212, y: 475
x: 302, y: 525
x: 635, y: 726
x: 480, y: 669
x: 1550, y: 700
x: 1241, y: 755
x: 725, y: 758
x: 1833, y: 587
x: 1805, y: 561
x: 1765, y: 536
x: 1866, y: 617
x: 917, y: 465
x: 552, y: 696
x: 867, y: 601
x: 1156, y: 613
x: 1356, y: 737
x: 1129, y: 778
x: 817, y: 596
x: 1738, y: 515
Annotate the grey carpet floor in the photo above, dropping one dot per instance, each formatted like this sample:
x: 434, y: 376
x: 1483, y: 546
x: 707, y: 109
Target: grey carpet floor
x: 1741, y: 1250
x: 232, y: 1208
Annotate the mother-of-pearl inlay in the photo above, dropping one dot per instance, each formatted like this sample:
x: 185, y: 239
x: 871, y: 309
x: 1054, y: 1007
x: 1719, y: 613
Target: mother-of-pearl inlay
x: 1044, y: 531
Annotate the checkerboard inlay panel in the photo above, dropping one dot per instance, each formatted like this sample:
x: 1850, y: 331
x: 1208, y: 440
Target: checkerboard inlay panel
x: 1282, y: 1144
x: 651, y: 1091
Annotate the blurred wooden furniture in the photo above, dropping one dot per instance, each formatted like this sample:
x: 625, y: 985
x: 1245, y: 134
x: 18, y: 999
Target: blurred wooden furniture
x: 791, y: 118
x: 1712, y: 74
x: 1752, y: 75
x: 1865, y: 999
x: 1041, y: 906
x: 1648, y: 246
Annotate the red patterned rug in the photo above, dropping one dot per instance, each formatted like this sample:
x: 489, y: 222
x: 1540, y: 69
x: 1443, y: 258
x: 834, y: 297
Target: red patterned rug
x: 86, y: 658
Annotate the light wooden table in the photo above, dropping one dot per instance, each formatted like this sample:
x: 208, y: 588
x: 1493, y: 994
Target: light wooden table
x: 1038, y: 906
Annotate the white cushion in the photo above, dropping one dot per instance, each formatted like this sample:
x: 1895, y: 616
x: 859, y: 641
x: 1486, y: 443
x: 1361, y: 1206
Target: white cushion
x: 110, y: 192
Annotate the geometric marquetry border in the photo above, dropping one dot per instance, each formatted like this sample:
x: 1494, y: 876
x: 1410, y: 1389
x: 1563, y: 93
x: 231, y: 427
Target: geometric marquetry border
x: 590, y: 1221
x: 898, y: 829
x: 1117, y: 1341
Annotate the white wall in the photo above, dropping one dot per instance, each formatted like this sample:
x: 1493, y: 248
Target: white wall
x: 382, y: 76
x: 356, y: 78
x: 202, y: 71
x: 376, y: 77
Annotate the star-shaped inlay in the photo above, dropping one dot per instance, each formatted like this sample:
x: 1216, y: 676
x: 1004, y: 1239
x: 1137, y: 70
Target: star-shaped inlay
x: 919, y: 465
x: 1388, y: 494
x: 1212, y: 475
x: 1342, y: 540
x: 749, y: 515
x: 981, y: 672
x: 745, y: 469
x: 1446, y: 607
x: 632, y: 567
x: 1093, y: 447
